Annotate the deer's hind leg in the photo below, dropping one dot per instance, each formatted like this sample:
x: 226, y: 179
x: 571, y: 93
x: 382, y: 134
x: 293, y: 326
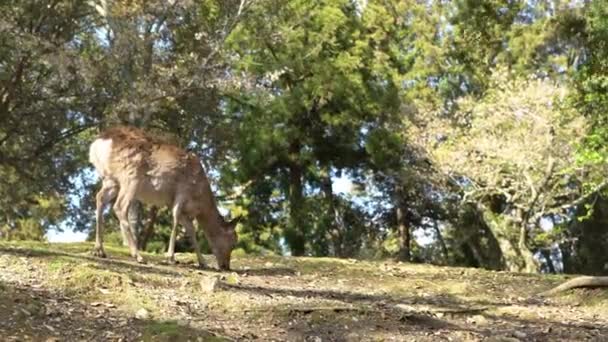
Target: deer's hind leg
x: 121, y: 208
x: 176, y: 213
x: 107, y: 193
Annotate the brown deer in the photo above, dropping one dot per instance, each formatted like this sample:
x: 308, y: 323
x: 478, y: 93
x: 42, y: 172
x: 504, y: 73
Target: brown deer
x: 135, y: 165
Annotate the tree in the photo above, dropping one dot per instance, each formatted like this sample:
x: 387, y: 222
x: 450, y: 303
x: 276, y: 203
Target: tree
x: 162, y: 63
x: 41, y: 111
x: 318, y: 91
x: 512, y: 155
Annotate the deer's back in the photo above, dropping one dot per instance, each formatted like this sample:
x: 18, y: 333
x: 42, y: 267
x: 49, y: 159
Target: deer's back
x: 160, y: 169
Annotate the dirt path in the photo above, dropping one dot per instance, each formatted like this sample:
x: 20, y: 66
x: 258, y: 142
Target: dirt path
x: 59, y: 293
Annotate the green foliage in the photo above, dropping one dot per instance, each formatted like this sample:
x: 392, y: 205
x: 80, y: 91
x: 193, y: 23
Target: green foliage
x: 427, y: 106
x: 319, y: 92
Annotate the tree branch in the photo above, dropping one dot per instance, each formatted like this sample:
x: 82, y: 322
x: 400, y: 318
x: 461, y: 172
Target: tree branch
x: 50, y: 143
x: 578, y: 201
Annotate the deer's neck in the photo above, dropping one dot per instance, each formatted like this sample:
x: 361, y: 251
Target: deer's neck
x: 210, y: 216
x: 212, y: 224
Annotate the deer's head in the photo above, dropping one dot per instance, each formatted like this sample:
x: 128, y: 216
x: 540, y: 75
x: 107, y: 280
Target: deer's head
x: 225, y: 242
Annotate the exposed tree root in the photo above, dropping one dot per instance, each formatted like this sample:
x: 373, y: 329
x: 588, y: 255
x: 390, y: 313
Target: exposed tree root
x: 369, y: 309
x: 576, y: 283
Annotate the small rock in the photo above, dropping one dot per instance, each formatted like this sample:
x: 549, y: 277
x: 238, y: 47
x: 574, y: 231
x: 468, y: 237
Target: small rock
x: 35, y: 308
x: 232, y: 279
x: 208, y: 284
x: 405, y: 307
x: 51, y: 311
x: 104, y: 291
x: 142, y: 314
x: 183, y: 322
x: 478, y: 319
x: 501, y: 339
x: 520, y: 334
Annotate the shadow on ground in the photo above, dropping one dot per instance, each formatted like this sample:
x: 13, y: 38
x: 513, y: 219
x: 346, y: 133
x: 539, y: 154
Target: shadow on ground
x: 356, y: 315
x: 30, y: 313
x: 120, y: 265
x: 290, y: 310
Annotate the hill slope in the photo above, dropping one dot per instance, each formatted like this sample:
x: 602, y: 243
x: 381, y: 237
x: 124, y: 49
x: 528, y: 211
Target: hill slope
x: 59, y: 292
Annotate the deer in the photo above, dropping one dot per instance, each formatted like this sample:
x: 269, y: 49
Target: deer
x: 134, y: 165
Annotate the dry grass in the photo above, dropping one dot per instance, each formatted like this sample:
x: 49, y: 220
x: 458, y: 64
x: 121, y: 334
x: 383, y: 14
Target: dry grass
x: 290, y: 299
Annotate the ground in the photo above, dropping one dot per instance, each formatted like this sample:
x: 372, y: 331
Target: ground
x: 59, y: 292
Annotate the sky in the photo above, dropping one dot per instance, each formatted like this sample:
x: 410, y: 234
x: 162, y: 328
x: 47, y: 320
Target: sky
x: 67, y: 235
x: 342, y: 185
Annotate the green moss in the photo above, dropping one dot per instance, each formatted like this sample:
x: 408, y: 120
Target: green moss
x: 61, y: 264
x: 172, y: 331
x: 162, y: 329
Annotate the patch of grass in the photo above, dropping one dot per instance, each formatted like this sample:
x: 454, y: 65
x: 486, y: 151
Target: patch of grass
x: 87, y: 277
x: 273, y: 293
x: 166, y: 329
x: 323, y: 265
x: 131, y: 301
x: 87, y: 281
x: 172, y: 331
x: 61, y: 264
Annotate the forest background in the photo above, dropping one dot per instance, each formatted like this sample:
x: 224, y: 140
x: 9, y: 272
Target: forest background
x: 465, y: 132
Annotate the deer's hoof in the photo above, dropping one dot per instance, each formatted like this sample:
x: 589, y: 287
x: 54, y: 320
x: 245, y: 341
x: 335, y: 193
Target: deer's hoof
x: 169, y: 259
x: 140, y: 259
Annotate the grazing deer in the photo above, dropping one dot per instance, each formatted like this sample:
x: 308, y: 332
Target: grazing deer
x: 134, y: 165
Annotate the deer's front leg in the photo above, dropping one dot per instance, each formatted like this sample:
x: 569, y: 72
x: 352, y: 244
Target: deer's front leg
x: 176, y: 212
x: 170, y: 255
x: 192, y: 233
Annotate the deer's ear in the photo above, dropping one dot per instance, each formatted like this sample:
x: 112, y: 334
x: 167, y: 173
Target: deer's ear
x: 232, y: 223
x: 236, y: 220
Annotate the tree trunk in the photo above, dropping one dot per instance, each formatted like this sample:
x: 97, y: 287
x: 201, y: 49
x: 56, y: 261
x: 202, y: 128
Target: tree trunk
x: 530, y: 263
x: 333, y: 228
x: 516, y: 256
x: 444, y: 248
x: 295, y: 236
x: 479, y: 245
x: 404, y: 234
x: 566, y: 252
x: 547, y: 255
